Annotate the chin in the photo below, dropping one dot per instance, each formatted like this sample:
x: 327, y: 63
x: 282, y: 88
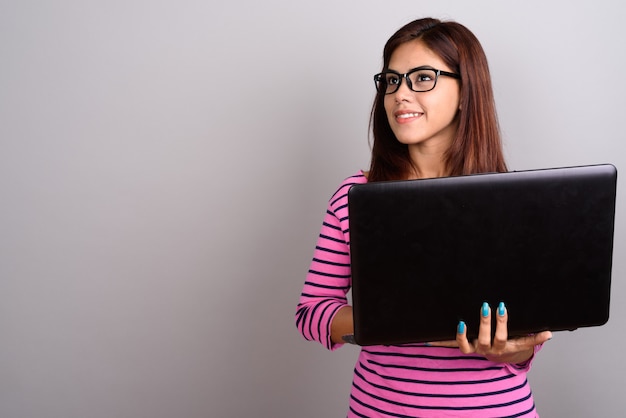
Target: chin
x: 410, y: 141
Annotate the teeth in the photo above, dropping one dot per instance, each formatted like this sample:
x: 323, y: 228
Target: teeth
x: 408, y: 115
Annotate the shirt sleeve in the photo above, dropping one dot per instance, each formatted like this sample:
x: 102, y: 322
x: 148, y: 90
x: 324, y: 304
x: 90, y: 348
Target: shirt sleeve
x: 525, y: 366
x: 328, y: 279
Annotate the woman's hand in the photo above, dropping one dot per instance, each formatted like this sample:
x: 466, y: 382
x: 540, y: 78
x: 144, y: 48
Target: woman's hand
x: 501, y: 349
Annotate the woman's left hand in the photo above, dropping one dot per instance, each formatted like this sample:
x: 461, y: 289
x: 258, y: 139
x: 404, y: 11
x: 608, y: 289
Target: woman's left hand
x: 501, y: 349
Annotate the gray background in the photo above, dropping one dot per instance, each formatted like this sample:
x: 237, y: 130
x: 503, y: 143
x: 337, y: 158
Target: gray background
x: 164, y: 170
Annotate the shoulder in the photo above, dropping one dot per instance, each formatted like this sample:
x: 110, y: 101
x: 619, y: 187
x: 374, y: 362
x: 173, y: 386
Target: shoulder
x: 341, y: 195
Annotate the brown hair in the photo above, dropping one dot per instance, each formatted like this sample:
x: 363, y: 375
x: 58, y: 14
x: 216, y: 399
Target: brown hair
x: 477, y: 146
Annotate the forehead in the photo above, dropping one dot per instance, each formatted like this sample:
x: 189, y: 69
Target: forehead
x: 414, y: 54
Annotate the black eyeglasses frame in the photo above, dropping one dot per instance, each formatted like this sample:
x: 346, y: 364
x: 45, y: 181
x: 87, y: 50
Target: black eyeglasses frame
x: 379, y: 76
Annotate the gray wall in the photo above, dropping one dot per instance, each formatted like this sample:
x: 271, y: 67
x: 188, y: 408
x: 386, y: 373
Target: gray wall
x: 165, y: 166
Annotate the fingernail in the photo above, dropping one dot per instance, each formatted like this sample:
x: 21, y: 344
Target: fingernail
x: 501, y: 309
x: 485, y: 309
x: 461, y: 327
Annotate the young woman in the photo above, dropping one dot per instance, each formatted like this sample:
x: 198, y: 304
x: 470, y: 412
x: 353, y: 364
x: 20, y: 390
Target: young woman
x: 433, y: 116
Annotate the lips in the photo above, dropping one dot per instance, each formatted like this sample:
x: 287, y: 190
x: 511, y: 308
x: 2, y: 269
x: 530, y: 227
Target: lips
x: 403, y: 116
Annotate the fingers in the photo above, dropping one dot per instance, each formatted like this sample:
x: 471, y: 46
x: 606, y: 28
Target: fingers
x: 543, y: 337
x: 483, y: 344
x: 461, y: 339
x: 448, y: 344
x: 501, y: 335
x: 500, y: 345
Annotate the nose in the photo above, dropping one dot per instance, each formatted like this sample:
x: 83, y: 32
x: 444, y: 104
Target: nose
x: 404, y: 92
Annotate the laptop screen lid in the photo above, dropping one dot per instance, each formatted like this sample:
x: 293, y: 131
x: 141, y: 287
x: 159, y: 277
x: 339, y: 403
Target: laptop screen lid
x: 427, y: 253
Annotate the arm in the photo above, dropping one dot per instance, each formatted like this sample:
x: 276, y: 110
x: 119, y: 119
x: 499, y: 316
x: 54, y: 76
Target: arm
x: 323, y: 313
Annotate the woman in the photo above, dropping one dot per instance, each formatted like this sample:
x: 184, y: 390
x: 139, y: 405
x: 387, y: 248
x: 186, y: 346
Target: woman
x: 433, y: 116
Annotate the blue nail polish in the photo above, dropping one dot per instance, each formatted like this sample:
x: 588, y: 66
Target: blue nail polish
x: 501, y: 309
x: 485, y: 309
x: 461, y: 327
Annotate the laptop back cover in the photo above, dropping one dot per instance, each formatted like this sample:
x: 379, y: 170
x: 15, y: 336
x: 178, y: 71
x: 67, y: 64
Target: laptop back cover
x: 427, y: 253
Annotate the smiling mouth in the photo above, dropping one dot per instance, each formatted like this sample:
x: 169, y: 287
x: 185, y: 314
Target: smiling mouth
x: 408, y: 115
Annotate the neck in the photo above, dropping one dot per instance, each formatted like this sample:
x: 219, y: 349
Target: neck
x: 427, y: 163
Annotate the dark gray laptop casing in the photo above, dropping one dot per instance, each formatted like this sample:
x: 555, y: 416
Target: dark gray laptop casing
x: 427, y: 253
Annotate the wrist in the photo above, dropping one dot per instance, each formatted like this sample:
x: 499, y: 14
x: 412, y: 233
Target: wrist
x: 348, y: 339
x: 342, y: 324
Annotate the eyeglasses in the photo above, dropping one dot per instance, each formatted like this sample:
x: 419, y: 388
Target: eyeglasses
x: 419, y: 79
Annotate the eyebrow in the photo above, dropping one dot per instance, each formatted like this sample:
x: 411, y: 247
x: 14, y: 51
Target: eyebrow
x: 421, y: 67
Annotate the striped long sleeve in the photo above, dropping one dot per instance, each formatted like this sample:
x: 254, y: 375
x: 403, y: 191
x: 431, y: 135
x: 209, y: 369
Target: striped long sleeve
x: 328, y: 279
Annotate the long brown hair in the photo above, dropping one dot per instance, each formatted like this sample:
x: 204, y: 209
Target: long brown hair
x: 477, y: 146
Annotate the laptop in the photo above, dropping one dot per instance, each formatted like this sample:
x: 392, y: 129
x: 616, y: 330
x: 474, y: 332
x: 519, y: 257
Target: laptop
x: 427, y: 253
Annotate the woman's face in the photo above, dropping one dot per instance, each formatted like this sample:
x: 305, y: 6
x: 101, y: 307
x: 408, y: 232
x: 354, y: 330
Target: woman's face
x: 424, y: 118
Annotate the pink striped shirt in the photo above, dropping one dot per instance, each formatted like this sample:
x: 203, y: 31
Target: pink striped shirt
x: 412, y: 380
